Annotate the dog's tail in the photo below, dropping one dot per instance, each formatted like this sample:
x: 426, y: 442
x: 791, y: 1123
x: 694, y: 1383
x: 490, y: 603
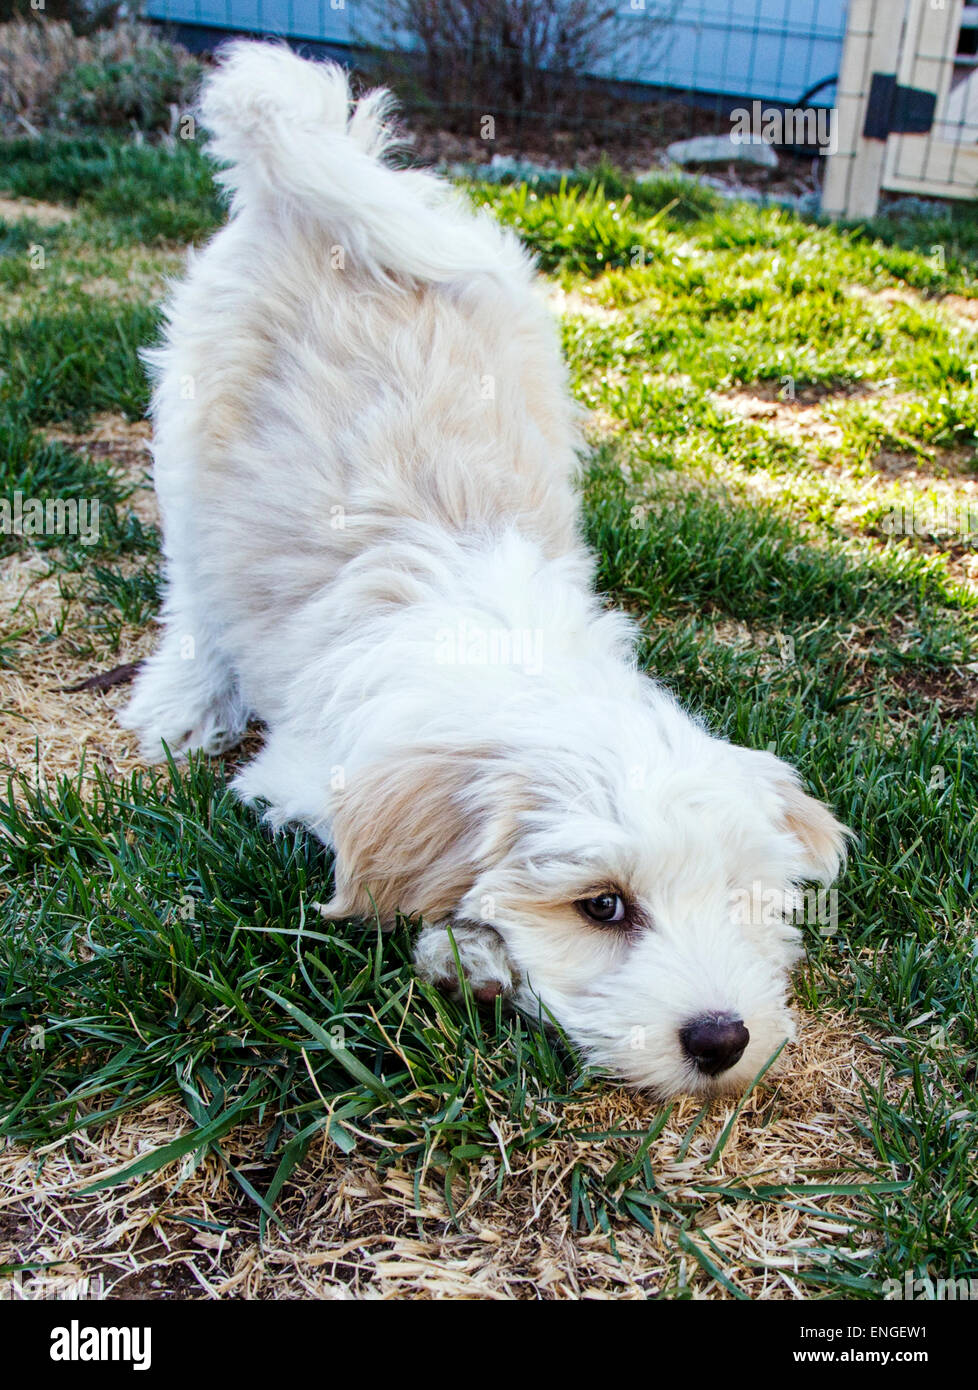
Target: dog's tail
x: 295, y: 143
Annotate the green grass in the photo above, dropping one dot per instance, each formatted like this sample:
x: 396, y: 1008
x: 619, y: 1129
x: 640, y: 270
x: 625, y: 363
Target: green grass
x: 71, y: 364
x: 158, y: 941
x: 950, y: 232
x: 577, y: 229
x: 172, y: 936
x: 127, y: 192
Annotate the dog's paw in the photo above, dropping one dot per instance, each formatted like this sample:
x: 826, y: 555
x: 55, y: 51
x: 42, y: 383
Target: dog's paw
x: 184, y: 704
x: 481, y: 954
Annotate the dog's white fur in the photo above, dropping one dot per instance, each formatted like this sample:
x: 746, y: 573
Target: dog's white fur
x: 365, y: 450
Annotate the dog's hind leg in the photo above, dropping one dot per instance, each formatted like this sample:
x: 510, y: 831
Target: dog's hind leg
x: 186, y: 694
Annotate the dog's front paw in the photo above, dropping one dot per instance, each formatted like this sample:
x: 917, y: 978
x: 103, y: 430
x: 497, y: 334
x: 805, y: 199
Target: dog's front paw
x: 481, y: 955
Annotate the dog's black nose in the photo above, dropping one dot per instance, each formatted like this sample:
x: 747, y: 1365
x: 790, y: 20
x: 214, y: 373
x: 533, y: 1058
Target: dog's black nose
x: 715, y: 1042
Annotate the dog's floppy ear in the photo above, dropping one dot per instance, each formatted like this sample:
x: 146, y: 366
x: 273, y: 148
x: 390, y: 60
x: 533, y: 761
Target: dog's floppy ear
x: 413, y: 833
x: 813, y: 825
x: 821, y: 835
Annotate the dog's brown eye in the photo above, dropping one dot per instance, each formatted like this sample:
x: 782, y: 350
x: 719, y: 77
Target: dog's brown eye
x: 606, y: 908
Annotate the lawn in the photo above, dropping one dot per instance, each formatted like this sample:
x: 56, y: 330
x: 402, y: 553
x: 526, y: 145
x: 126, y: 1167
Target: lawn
x: 204, y: 1091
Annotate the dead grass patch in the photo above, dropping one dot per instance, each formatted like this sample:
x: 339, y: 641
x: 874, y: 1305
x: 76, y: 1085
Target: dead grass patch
x: 799, y: 419
x: 772, y: 649
x: 953, y: 692
x: 44, y: 731
x: 931, y: 481
x: 957, y: 305
x: 27, y: 209
x: 852, y: 498
x: 929, y: 467
x: 581, y: 304
x: 775, y: 393
x: 891, y: 294
x: 126, y: 445
x: 41, y: 726
x: 351, y: 1231
x: 135, y: 274
x: 962, y: 306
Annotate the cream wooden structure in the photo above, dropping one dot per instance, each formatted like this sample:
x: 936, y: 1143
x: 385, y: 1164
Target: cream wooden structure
x: 914, y: 42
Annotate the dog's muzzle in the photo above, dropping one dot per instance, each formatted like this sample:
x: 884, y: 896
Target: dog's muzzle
x: 715, y: 1042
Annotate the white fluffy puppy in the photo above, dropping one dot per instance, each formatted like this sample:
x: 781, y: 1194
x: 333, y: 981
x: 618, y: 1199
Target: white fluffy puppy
x: 364, y: 453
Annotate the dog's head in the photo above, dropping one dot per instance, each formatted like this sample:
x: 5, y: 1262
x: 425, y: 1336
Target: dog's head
x: 643, y: 875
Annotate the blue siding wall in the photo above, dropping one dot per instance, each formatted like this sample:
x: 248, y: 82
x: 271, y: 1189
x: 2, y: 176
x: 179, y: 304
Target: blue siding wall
x: 326, y: 20
x: 773, y: 49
